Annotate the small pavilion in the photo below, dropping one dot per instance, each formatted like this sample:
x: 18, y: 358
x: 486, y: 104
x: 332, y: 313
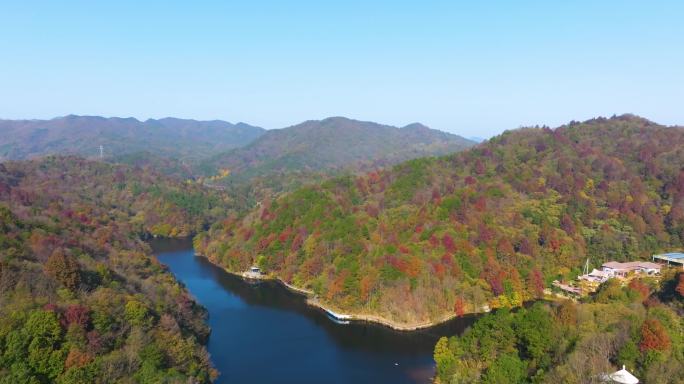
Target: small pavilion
x: 622, y: 377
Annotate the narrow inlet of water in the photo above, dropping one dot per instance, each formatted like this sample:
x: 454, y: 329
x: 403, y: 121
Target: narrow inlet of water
x: 264, y: 333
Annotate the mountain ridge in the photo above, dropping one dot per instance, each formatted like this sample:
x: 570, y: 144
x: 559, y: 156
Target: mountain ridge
x: 82, y: 135
x: 336, y: 143
x: 187, y: 148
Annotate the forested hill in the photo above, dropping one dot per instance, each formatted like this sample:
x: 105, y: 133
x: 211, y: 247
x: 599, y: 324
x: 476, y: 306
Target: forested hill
x: 81, y: 298
x: 82, y: 135
x: 489, y: 226
x: 332, y: 144
x: 638, y: 325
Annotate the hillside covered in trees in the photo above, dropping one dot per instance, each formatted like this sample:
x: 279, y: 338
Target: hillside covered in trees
x: 335, y: 143
x: 491, y: 226
x: 638, y: 325
x: 282, y: 160
x: 180, y: 139
x: 81, y: 298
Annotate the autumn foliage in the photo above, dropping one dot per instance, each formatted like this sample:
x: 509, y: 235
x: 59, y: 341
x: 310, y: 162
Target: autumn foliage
x: 653, y: 336
x: 680, y: 285
x: 641, y: 288
x: 64, y: 269
x: 71, y: 258
x: 459, y: 306
x: 596, y: 335
x: 493, y: 225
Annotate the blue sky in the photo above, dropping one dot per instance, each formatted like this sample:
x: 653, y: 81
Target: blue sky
x: 475, y: 68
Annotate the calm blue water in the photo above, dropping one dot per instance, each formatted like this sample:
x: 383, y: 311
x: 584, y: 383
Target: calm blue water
x: 263, y: 333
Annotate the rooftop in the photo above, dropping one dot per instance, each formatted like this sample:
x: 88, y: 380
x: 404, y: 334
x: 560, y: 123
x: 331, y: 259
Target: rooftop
x: 632, y: 265
x: 567, y: 288
x: 671, y: 255
x: 623, y: 376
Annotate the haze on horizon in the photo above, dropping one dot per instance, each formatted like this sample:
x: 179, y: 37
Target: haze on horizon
x: 470, y: 69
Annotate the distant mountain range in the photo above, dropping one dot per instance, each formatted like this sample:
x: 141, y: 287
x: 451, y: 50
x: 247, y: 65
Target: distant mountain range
x: 187, y: 148
x: 335, y: 143
x: 181, y: 139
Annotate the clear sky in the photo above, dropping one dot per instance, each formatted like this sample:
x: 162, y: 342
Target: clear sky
x: 471, y: 67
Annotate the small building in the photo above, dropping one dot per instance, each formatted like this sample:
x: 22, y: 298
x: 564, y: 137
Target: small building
x: 672, y: 258
x: 569, y: 289
x: 253, y: 273
x: 617, y: 269
x: 595, y: 276
x: 622, y: 376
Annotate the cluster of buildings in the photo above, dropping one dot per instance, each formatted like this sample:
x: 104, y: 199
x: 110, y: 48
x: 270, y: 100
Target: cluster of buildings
x: 614, y: 269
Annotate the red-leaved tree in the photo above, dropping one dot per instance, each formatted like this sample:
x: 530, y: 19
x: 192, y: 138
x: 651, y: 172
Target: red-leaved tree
x: 535, y: 284
x: 653, y: 336
x: 641, y: 288
x: 77, y: 314
x: 459, y: 306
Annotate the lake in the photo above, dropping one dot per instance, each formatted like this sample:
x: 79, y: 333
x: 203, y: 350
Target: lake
x: 264, y: 333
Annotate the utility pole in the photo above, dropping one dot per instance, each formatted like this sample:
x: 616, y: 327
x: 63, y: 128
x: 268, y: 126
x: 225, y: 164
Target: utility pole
x: 586, y: 267
x: 101, y: 152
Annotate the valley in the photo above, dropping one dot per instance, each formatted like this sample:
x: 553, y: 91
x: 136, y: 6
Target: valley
x: 418, y: 246
x: 371, y: 192
x: 253, y: 321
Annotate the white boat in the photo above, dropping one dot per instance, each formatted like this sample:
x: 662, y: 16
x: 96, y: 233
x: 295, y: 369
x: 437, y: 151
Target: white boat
x: 338, y: 321
x: 337, y: 317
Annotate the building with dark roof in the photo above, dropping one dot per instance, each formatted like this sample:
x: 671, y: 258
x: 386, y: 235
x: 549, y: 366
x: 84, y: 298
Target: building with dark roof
x: 672, y: 258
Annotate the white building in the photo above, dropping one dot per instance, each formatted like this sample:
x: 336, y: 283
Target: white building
x: 617, y: 269
x: 595, y: 276
x: 253, y: 273
x: 622, y: 377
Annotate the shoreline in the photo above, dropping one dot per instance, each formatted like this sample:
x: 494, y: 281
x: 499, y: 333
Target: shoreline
x: 312, y: 301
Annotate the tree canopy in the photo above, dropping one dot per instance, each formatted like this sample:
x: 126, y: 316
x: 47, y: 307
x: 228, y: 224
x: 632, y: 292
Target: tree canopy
x: 567, y: 342
x: 82, y: 300
x: 489, y: 226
